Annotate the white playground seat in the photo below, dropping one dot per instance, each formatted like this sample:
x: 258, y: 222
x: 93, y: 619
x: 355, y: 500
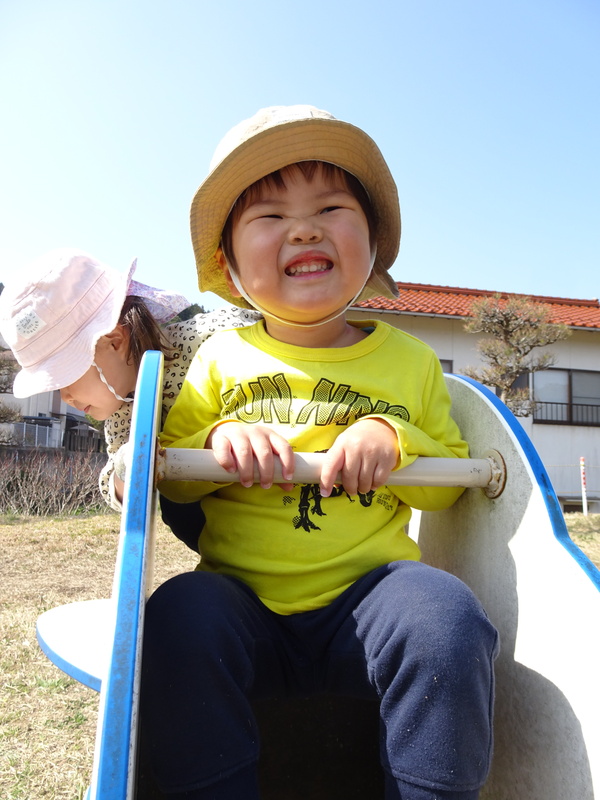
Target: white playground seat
x: 473, y: 539
x: 77, y: 638
x: 543, y: 595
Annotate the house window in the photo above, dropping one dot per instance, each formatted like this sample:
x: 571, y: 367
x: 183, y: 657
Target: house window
x: 447, y: 365
x: 567, y: 397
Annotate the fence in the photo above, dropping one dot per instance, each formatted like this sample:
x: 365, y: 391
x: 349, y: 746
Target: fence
x: 28, y: 434
x: 25, y: 434
x: 86, y: 441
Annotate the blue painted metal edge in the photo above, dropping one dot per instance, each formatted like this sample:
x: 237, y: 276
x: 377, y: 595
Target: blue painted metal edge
x: 113, y: 768
x: 539, y: 470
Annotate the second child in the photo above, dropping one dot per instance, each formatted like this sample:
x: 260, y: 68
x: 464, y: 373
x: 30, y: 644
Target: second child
x: 77, y: 325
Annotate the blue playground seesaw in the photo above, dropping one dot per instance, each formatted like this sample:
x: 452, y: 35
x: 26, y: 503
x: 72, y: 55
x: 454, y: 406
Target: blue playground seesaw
x: 506, y: 539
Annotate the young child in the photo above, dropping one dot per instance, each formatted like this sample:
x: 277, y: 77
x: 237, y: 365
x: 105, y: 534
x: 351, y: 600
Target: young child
x: 311, y: 588
x: 80, y: 326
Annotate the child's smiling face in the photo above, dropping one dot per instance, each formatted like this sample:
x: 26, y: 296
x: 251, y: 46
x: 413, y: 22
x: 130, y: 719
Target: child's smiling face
x: 302, y: 249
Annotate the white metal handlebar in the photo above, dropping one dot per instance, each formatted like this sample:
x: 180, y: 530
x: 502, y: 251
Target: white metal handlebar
x: 487, y: 473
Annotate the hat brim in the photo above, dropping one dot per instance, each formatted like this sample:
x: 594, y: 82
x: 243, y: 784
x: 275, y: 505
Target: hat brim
x: 311, y: 139
x: 67, y: 365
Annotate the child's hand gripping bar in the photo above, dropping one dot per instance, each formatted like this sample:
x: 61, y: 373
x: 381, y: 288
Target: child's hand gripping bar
x: 487, y: 473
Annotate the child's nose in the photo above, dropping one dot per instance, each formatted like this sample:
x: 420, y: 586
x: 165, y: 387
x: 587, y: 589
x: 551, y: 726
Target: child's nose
x: 304, y: 230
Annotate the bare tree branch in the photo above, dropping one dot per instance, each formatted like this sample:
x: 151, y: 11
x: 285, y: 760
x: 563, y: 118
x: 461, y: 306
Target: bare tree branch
x: 516, y: 326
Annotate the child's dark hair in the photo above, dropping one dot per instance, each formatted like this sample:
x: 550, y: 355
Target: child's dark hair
x: 277, y: 180
x: 144, y: 331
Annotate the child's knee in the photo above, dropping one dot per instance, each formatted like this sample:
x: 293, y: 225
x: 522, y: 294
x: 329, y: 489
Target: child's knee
x: 428, y: 617
x: 439, y: 605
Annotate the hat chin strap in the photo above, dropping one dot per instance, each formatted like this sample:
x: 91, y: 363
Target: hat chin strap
x: 292, y: 324
x: 111, y: 388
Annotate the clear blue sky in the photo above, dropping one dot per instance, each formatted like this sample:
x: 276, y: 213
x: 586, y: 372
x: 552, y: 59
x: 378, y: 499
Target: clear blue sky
x: 487, y: 111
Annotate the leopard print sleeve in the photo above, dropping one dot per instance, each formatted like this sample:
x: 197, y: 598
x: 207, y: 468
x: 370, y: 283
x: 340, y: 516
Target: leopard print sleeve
x: 116, y: 433
x: 184, y: 338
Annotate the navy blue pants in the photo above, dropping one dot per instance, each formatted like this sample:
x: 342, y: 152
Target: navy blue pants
x: 411, y: 635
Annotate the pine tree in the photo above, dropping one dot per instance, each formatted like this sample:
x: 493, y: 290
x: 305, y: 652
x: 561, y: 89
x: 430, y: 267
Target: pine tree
x: 516, y: 326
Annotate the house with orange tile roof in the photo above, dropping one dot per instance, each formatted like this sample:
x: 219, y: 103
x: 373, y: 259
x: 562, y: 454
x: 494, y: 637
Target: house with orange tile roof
x: 566, y: 424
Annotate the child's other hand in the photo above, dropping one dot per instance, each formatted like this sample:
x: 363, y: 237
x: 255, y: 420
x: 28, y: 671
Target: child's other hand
x: 365, y: 454
x: 239, y: 447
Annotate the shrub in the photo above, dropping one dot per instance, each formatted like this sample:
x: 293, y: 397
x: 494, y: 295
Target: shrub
x: 49, y: 482
x: 10, y: 413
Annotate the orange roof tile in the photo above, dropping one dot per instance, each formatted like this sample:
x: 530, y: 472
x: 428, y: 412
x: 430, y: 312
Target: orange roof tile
x: 451, y: 301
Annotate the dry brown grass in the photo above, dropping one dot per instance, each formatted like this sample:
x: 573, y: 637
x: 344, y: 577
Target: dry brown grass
x: 585, y: 532
x: 48, y: 721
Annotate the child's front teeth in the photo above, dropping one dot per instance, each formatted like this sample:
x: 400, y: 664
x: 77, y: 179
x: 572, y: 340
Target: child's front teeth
x: 306, y: 268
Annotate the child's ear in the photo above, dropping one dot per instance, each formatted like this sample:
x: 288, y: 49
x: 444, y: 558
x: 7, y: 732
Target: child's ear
x: 117, y: 339
x: 226, y: 269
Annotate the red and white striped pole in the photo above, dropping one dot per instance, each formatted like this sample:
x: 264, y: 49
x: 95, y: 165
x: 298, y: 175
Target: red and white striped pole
x: 583, y: 486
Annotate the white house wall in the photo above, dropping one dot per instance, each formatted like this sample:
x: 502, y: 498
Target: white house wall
x: 560, y: 446
x: 580, y: 351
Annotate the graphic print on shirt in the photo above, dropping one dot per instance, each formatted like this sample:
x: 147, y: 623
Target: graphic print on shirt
x: 310, y: 492
x: 269, y: 399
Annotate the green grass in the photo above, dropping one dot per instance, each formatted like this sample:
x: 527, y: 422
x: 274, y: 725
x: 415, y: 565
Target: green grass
x: 585, y: 532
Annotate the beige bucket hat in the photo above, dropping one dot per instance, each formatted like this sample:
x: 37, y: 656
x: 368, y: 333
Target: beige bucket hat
x: 270, y: 140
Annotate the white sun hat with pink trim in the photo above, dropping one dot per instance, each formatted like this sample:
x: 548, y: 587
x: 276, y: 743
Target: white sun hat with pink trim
x: 54, y: 312
x: 274, y: 138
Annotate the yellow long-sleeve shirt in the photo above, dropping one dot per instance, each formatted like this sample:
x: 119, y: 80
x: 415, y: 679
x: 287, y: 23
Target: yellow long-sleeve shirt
x: 295, y: 549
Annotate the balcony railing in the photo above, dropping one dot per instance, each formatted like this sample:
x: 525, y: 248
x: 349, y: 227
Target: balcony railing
x: 567, y: 414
